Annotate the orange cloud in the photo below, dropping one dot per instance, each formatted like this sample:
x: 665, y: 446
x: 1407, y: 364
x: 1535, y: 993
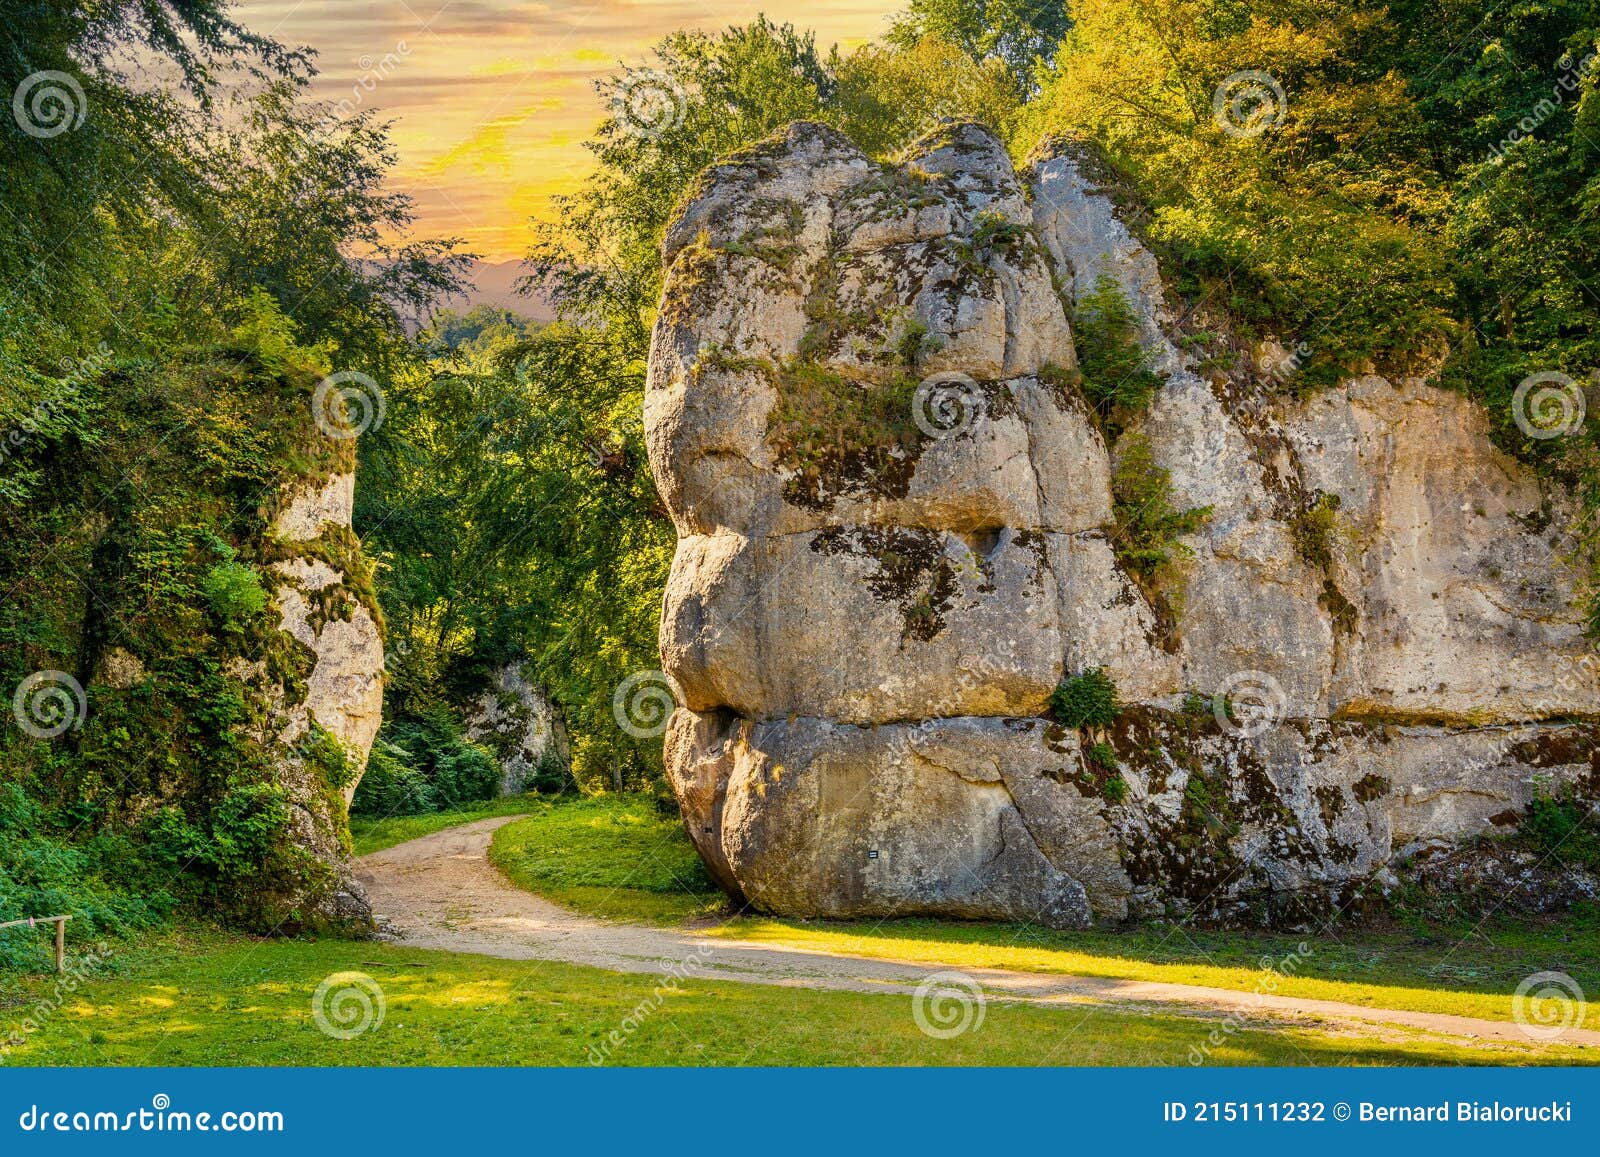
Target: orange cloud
x: 492, y: 99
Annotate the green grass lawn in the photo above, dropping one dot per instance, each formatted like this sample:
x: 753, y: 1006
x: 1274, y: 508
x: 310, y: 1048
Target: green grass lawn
x: 615, y: 856
x: 373, y: 835
x: 214, y: 999
x: 618, y: 857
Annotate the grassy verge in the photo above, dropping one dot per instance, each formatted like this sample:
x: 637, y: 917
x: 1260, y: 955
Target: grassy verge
x: 1422, y: 970
x: 215, y: 999
x: 373, y: 835
x: 615, y: 857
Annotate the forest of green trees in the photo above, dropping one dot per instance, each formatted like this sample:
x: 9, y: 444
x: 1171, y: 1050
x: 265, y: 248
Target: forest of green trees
x: 176, y: 271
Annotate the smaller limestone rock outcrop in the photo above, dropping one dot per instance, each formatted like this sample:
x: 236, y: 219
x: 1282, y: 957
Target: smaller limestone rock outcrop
x: 344, y: 692
x: 515, y: 717
x: 326, y: 606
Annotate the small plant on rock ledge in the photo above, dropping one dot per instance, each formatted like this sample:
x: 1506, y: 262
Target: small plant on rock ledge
x: 1147, y: 526
x: 991, y: 234
x: 1117, y: 378
x: 1103, y: 756
x: 1315, y: 528
x: 1088, y: 699
x: 916, y: 341
x: 1114, y: 789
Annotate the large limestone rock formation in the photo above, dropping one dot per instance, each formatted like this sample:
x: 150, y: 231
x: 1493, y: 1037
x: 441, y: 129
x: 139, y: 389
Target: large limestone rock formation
x: 896, y: 539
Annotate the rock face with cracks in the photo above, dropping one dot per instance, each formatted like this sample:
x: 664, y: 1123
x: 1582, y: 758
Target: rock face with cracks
x: 896, y: 538
x: 342, y: 643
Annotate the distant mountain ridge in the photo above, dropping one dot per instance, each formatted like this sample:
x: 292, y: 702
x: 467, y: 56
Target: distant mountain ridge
x: 495, y: 284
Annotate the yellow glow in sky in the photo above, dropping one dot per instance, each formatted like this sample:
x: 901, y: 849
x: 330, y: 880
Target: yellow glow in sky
x: 492, y: 99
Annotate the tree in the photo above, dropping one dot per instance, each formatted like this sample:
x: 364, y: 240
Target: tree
x: 1019, y: 33
x: 1385, y: 184
x: 1282, y: 165
x: 179, y: 278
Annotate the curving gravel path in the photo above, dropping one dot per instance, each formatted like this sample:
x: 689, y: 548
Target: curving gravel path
x: 441, y: 892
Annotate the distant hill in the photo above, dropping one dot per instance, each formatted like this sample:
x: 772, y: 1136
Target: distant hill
x: 494, y: 283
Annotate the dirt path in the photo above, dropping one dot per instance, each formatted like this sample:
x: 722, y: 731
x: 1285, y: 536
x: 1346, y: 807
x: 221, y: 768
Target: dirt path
x: 440, y: 891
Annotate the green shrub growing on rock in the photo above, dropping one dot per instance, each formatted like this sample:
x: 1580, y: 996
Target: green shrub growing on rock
x: 1088, y: 699
x: 1147, y: 526
x: 1117, y: 378
x: 1561, y: 825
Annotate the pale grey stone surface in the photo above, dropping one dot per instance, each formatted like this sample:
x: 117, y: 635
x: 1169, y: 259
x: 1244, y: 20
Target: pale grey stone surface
x: 866, y: 661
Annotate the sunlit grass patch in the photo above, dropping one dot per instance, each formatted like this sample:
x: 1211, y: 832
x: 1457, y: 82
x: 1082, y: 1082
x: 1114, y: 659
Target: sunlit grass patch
x: 374, y: 835
x: 616, y: 856
x: 252, y: 1002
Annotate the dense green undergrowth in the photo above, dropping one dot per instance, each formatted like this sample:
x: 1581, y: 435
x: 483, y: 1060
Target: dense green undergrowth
x: 425, y: 765
x: 44, y: 872
x: 136, y: 594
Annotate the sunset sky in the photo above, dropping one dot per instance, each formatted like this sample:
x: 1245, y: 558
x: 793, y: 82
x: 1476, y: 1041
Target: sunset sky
x: 492, y: 98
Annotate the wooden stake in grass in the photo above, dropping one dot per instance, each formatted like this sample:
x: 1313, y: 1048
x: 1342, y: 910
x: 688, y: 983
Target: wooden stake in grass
x: 61, y: 935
